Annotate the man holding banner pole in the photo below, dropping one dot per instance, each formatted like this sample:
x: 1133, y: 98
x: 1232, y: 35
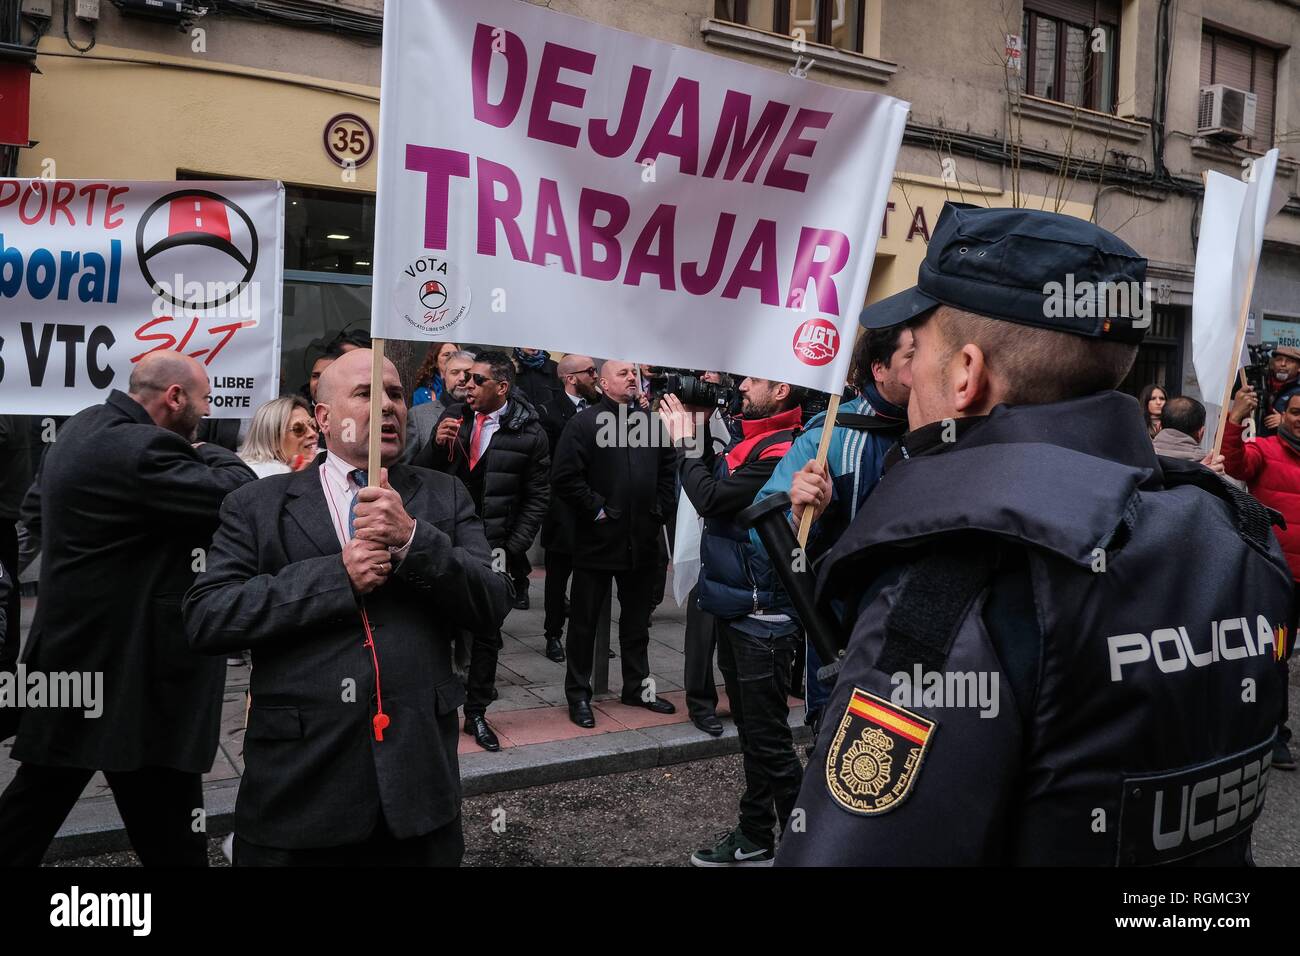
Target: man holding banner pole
x: 348, y: 588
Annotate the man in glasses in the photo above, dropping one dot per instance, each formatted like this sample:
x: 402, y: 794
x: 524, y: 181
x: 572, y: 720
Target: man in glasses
x: 578, y: 376
x: 494, y: 443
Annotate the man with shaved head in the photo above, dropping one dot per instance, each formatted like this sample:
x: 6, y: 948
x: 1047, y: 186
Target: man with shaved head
x: 349, y: 589
x: 128, y: 506
x: 616, y: 471
x: 578, y: 376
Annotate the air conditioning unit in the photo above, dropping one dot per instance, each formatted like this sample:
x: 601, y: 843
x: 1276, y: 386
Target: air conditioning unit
x: 1226, y: 111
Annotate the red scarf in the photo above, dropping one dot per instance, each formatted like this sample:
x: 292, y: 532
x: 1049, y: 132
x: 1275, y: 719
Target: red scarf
x: 757, y: 429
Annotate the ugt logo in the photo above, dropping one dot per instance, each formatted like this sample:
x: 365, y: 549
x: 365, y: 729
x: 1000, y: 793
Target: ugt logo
x: 816, y: 342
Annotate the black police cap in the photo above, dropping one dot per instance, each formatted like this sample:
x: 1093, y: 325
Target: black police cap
x: 1029, y: 267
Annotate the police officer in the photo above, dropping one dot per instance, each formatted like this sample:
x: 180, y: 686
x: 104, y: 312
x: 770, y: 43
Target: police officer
x: 1062, y: 649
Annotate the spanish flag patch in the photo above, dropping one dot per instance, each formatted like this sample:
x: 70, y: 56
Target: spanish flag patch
x: 876, y: 754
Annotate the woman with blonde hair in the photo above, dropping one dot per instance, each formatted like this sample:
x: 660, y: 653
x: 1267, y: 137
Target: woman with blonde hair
x: 282, y: 437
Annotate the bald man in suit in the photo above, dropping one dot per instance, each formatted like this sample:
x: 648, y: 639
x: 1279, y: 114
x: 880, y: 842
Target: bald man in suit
x: 126, y: 501
x: 349, y: 595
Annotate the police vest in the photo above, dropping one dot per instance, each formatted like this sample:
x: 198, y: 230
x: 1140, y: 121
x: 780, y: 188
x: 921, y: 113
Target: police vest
x: 1065, y: 651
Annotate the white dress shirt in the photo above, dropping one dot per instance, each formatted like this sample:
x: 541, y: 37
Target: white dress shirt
x: 490, y: 426
x: 340, y: 488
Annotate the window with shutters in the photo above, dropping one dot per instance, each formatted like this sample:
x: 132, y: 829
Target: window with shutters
x: 836, y: 23
x: 1235, y: 61
x: 1071, y: 51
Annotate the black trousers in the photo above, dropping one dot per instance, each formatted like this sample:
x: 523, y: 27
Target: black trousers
x: 483, y: 652
x: 590, y: 589
x: 14, y: 607
x: 700, y: 640
x: 157, y: 805
x: 444, y: 846
x: 559, y: 566
x: 756, y: 671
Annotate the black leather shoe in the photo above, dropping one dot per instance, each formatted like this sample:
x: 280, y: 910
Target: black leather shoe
x: 521, y: 601
x: 580, y: 713
x: 555, y: 649
x: 709, y: 724
x: 477, y: 727
x: 658, y: 705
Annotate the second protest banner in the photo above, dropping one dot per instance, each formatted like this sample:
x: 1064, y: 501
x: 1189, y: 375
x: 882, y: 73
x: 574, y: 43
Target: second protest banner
x: 96, y: 275
x: 550, y: 182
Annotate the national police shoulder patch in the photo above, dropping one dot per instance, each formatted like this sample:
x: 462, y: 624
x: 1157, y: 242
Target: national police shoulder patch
x: 876, y: 754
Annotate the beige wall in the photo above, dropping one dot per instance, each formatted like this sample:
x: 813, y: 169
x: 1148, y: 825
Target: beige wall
x: 141, y: 121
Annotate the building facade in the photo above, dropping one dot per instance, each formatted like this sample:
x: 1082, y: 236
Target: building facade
x: 1096, y: 108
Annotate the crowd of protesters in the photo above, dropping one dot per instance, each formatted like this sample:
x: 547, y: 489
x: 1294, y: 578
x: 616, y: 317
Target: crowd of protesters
x: 516, y: 440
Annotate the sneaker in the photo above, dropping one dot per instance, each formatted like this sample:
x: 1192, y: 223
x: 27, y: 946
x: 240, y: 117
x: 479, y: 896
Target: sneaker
x: 733, y: 849
x: 1282, y: 757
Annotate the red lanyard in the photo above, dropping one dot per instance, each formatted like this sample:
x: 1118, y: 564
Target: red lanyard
x: 380, y: 720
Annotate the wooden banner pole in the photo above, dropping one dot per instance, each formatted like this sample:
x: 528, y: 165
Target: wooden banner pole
x: 823, y: 446
x: 1236, y: 355
x: 373, y: 462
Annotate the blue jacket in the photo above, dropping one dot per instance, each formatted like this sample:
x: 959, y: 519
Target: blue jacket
x: 729, y: 586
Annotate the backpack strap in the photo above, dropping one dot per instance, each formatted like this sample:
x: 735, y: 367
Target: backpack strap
x: 767, y: 441
x: 937, y: 592
x: 870, y: 423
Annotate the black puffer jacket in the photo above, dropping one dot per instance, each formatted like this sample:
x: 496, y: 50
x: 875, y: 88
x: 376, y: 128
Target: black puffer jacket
x: 512, y: 486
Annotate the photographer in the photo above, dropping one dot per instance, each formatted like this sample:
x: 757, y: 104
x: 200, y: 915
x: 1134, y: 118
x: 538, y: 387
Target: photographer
x: 757, y: 633
x: 1283, y: 374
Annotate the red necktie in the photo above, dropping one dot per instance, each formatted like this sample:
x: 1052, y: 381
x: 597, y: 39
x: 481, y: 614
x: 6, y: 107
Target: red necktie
x: 476, y: 440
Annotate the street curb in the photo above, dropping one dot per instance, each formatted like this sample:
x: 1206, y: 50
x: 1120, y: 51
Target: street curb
x: 94, y: 826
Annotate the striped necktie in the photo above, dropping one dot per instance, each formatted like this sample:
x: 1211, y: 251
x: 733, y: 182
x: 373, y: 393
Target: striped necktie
x: 358, y: 476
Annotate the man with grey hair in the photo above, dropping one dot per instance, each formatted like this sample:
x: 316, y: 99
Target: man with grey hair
x: 127, y: 507
x: 423, y: 419
x: 620, y: 486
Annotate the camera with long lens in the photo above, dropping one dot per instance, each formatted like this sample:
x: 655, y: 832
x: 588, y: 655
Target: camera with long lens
x: 693, y: 390
x: 1257, y: 372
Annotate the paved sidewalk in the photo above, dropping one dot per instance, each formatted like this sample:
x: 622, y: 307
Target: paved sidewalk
x: 539, y: 742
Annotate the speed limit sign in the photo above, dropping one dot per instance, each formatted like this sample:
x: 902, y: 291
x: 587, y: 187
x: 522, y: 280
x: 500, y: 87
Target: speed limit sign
x: 349, y: 140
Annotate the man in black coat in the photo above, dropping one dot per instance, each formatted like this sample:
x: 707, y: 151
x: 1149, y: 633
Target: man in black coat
x: 615, y: 468
x: 538, y: 376
x: 495, y: 444
x: 349, y: 596
x: 578, y: 373
x: 128, y: 506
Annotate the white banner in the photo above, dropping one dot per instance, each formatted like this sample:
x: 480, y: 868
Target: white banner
x: 95, y: 275
x: 1229, y: 241
x: 549, y: 182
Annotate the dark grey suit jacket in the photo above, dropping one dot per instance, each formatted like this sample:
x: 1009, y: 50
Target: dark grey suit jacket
x: 314, y: 775
x: 127, y: 508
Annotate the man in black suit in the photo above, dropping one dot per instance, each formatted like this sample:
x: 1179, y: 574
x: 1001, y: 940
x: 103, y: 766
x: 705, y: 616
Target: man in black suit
x: 349, y: 596
x: 494, y: 443
x: 616, y: 471
x: 578, y: 373
x: 128, y: 506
